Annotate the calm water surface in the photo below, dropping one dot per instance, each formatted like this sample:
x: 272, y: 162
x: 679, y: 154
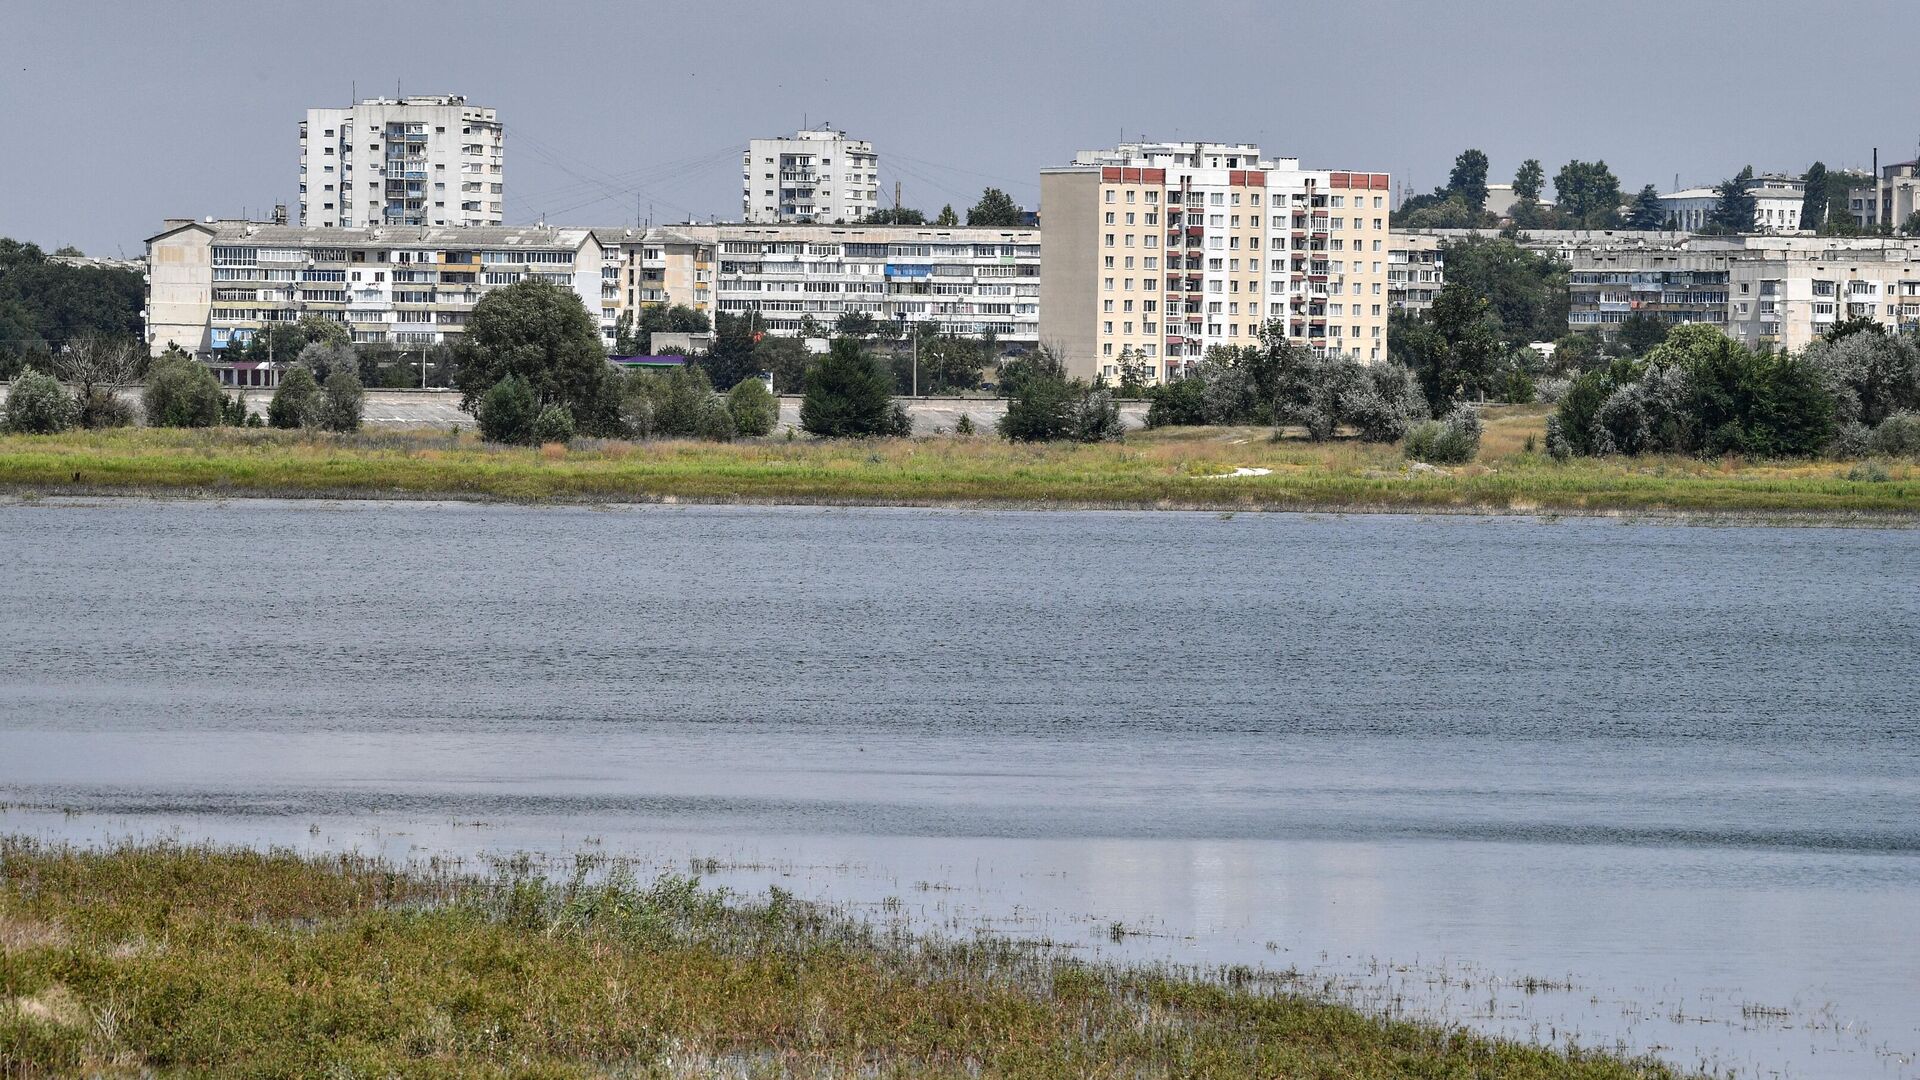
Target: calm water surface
x: 1673, y: 772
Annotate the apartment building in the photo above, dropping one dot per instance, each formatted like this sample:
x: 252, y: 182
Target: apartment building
x: 212, y: 284
x: 1771, y: 291
x: 651, y: 267
x: 402, y: 161
x: 1785, y: 293
x: 818, y: 174
x: 1416, y: 270
x: 1892, y: 199
x: 1161, y: 251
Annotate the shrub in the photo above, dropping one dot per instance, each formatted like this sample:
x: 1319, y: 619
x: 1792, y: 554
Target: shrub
x: 37, y: 406
x: 233, y: 410
x: 1453, y: 440
x: 964, y: 425
x: 849, y: 394
x: 1557, y: 446
x: 755, y: 410
x: 341, y: 403
x: 181, y: 392
x: 1850, y: 440
x: 1178, y: 403
x: 1897, y: 436
x: 553, y: 425
x: 715, y: 420
x: 102, y: 407
x: 507, y: 411
x: 296, y: 401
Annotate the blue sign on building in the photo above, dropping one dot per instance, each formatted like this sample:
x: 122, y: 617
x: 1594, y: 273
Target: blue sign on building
x: 909, y: 270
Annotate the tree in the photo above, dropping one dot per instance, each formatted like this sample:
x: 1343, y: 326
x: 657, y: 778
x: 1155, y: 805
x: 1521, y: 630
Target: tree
x: 1587, y: 195
x: 754, y: 409
x: 625, y: 341
x: 1468, y: 180
x: 1870, y: 373
x: 181, y: 392
x: 1813, y: 204
x: 850, y: 395
x: 787, y: 358
x: 1046, y: 407
x: 36, y: 405
x: 507, y: 410
x: 855, y: 324
x: 324, y: 358
x: 1468, y: 345
x: 342, y: 402
x: 896, y: 215
x: 731, y: 357
x: 947, y: 219
x: 1911, y: 226
x: 553, y: 425
x: 1132, y: 370
x: 952, y: 362
x: 1449, y: 213
x: 296, y: 401
x: 540, y: 333
x: 1734, y: 212
x: 995, y: 208
x: 1527, y: 180
x: 1526, y: 290
x: 678, y: 403
x: 1452, y: 440
x: 1646, y: 212
x: 1640, y: 332
x: 96, y: 367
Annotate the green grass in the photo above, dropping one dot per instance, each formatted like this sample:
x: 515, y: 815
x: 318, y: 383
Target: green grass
x: 1153, y: 469
x: 185, y: 961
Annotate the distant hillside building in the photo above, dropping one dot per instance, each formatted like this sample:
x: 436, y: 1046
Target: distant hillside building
x: 1776, y: 205
x: 816, y: 175
x: 404, y: 161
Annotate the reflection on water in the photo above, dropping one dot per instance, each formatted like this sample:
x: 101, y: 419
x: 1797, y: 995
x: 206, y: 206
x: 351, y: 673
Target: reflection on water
x: 1639, y: 784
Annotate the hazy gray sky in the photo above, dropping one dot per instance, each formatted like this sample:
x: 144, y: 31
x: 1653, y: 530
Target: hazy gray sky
x: 116, y: 115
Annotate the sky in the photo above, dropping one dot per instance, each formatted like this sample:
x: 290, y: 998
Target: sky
x: 114, y: 116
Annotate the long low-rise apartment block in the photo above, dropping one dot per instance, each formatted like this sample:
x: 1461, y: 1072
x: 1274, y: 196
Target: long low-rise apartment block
x: 967, y: 280
x: 1764, y: 290
x: 212, y: 285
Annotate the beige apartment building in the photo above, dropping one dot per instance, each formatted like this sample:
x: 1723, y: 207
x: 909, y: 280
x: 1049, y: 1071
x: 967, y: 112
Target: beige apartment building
x: 654, y: 267
x: 1160, y: 251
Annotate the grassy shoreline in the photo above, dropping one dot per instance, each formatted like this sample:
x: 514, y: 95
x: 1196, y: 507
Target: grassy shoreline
x: 204, y: 961
x: 1171, y: 469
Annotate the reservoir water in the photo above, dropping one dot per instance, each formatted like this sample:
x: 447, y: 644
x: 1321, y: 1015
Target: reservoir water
x: 1637, y: 785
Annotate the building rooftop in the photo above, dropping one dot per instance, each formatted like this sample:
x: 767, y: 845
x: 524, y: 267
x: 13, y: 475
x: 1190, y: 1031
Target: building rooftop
x: 259, y: 232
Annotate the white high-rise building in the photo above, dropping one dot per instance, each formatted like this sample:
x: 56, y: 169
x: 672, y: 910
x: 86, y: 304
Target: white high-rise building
x: 406, y: 161
x: 818, y: 175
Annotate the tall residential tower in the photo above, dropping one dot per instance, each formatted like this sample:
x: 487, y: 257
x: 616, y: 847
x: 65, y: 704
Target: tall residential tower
x: 1160, y: 251
x: 818, y: 175
x: 405, y: 161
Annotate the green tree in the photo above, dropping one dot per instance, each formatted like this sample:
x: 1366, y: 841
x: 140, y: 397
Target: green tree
x: 1528, y: 179
x: 1468, y: 347
x: 181, y: 392
x: 895, y: 215
x: 855, y: 324
x: 995, y: 208
x: 507, y: 410
x: 952, y: 362
x: 1449, y: 213
x: 1526, y: 290
x: 1911, y: 226
x: 626, y: 342
x: 1468, y: 180
x: 296, y: 401
x: 324, y: 358
x: 342, y: 401
x: 947, y: 219
x: 850, y: 395
x: 541, y: 333
x: 754, y: 409
x: 1587, y: 195
x: 1734, y: 212
x: 731, y: 357
x: 1640, y: 332
x: 787, y: 358
x: 553, y: 425
x: 1813, y: 204
x: 36, y: 405
x: 1646, y: 212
